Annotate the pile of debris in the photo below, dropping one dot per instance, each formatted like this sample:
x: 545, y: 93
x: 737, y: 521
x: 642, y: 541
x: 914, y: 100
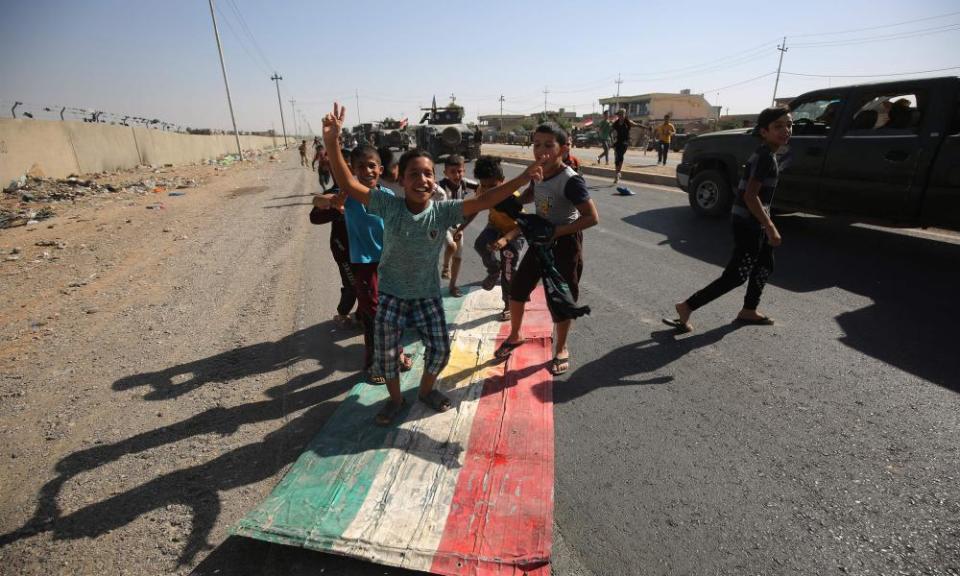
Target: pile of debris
x: 17, y: 205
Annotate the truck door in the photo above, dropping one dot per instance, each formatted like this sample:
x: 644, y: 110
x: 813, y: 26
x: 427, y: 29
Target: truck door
x: 813, y: 124
x: 941, y: 202
x: 873, y: 165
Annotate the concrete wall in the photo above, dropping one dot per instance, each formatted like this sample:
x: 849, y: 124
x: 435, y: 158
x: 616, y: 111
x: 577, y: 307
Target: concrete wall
x: 64, y: 148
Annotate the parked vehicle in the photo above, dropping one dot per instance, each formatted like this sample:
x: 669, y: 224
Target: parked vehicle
x: 586, y: 139
x: 887, y: 152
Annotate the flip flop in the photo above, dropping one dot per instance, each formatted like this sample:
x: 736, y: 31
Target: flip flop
x: 436, y: 400
x: 557, y: 363
x: 389, y: 412
x: 764, y: 321
x: 456, y: 292
x: 376, y: 379
x: 676, y: 323
x: 506, y: 349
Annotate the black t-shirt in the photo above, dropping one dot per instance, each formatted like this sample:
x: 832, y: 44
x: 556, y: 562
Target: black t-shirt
x: 761, y: 166
x: 622, y: 129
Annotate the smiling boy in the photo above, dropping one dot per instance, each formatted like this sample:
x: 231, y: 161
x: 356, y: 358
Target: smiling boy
x: 414, y: 232
x: 563, y: 199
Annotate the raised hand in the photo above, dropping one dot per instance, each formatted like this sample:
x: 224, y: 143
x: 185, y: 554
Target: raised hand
x: 333, y: 123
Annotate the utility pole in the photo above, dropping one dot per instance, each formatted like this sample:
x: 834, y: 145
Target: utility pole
x: 356, y: 93
x: 619, y: 82
x: 782, y: 48
x: 545, y: 92
x: 226, y: 83
x: 277, y: 78
x: 501, y: 112
x: 296, y: 127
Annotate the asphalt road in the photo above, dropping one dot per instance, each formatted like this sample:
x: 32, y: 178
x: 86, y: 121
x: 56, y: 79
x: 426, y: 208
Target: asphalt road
x: 826, y: 444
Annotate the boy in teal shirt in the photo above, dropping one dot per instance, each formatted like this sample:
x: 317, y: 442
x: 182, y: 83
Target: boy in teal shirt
x: 414, y: 233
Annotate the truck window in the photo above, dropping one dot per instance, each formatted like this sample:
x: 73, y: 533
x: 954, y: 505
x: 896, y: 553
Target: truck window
x: 816, y: 117
x: 887, y: 113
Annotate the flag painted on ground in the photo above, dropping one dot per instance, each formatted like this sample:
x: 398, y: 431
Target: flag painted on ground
x: 465, y: 492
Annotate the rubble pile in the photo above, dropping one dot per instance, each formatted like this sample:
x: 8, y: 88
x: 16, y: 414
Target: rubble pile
x: 19, y: 197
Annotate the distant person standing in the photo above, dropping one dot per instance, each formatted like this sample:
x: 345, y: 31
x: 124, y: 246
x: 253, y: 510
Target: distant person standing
x: 303, y: 153
x: 603, y: 130
x: 621, y: 127
x: 664, y: 133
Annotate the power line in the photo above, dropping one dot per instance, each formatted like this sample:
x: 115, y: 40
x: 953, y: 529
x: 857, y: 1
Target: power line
x: 240, y: 40
x: 902, y: 23
x: 246, y: 29
x: 871, y: 75
x: 882, y: 37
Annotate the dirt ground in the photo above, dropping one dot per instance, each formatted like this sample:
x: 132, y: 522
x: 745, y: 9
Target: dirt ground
x: 155, y: 353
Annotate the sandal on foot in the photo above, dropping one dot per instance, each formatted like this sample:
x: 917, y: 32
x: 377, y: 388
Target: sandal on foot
x: 762, y: 321
x: 455, y: 292
x: 505, y: 316
x: 445, y: 273
x: 436, y: 400
x: 405, y: 362
x: 559, y: 365
x: 676, y: 323
x: 506, y: 349
x: 389, y: 412
x: 376, y: 379
x: 490, y: 281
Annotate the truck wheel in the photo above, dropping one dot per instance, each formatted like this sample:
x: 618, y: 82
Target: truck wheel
x: 710, y: 193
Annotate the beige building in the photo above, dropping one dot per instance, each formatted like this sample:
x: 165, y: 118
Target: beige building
x: 506, y: 122
x: 683, y: 108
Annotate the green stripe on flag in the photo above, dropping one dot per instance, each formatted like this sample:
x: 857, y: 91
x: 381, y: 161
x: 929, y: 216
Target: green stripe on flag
x: 325, y: 488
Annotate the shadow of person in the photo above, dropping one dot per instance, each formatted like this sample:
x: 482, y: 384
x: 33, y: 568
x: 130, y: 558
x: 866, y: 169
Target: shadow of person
x: 901, y: 273
x: 317, y: 342
x: 198, y: 487
x: 627, y: 365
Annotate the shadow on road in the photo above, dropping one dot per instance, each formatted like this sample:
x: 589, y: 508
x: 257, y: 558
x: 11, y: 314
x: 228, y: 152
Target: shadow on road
x: 199, y: 486
x: 626, y: 366
x: 912, y: 281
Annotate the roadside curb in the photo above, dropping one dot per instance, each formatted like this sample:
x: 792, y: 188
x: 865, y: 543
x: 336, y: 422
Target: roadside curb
x: 641, y: 177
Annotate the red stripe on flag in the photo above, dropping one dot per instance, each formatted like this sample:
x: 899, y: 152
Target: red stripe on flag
x: 501, y: 517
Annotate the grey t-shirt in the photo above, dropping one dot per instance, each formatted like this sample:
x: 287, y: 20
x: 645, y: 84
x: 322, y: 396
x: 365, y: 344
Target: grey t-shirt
x: 557, y: 197
x: 412, y: 243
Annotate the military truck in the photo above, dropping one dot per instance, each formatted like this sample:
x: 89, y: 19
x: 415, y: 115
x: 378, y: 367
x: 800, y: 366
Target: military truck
x: 441, y: 132
x: 886, y: 153
x: 393, y: 134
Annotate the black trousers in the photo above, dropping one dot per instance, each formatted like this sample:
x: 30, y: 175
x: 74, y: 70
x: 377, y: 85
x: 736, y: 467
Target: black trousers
x: 752, y: 262
x: 663, y: 148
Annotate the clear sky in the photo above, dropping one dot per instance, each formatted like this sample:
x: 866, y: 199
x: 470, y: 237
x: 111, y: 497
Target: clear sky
x: 158, y: 58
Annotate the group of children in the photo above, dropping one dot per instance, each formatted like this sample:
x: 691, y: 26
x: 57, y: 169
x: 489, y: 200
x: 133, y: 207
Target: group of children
x: 394, y: 240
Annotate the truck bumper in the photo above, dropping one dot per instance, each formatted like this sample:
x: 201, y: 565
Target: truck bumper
x: 683, y: 176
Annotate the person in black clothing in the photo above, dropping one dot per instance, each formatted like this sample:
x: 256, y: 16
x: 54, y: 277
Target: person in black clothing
x: 328, y: 209
x: 621, y: 128
x: 754, y: 233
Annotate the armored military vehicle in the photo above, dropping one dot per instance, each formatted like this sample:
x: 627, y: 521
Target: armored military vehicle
x: 442, y: 132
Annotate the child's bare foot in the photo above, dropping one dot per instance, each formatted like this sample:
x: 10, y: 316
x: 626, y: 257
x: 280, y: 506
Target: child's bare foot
x: 753, y: 317
x: 682, y: 321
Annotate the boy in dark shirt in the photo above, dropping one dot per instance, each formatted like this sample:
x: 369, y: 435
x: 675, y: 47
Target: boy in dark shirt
x: 327, y: 210
x: 754, y: 233
x: 455, y: 187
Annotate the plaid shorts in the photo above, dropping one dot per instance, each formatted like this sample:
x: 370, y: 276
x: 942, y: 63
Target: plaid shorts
x: 426, y: 314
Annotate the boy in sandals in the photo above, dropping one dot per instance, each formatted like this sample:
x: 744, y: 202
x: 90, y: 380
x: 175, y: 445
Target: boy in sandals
x: 562, y: 198
x: 414, y: 233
